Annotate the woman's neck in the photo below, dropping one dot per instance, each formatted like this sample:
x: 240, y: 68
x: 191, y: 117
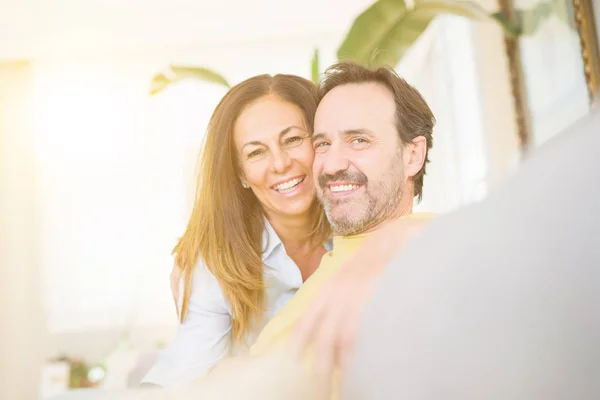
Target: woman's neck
x: 299, y: 243
x: 293, y: 231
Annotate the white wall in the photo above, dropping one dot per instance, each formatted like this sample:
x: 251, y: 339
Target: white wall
x: 22, y: 331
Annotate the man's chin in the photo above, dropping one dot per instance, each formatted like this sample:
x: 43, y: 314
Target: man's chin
x: 347, y: 211
x: 345, y: 226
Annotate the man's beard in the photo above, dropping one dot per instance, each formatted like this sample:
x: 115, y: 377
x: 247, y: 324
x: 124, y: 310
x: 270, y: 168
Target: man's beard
x: 379, y: 202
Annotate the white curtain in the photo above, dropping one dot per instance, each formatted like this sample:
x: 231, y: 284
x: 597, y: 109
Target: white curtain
x: 442, y: 67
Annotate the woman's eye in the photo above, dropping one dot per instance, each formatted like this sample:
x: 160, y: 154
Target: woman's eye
x: 293, y: 140
x: 255, y: 153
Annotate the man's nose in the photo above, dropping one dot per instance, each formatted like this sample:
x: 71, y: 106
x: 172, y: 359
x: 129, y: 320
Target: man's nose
x: 334, y: 161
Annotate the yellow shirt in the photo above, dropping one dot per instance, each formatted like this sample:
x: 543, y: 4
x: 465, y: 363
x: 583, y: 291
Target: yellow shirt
x: 280, y: 328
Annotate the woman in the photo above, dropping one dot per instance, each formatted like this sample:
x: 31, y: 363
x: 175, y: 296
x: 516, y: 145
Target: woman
x: 256, y: 231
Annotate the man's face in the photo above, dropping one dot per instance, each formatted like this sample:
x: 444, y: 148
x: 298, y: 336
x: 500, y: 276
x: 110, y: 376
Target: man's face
x: 359, y: 166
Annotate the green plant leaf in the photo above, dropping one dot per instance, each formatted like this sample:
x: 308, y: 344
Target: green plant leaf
x: 382, y: 33
x: 531, y: 19
x: 314, y: 66
x: 510, y: 29
x: 400, y: 38
x: 467, y: 9
x: 158, y: 83
x: 178, y: 73
x: 369, y: 29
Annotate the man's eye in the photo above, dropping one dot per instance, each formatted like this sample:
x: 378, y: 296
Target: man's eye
x: 359, y: 143
x: 321, y: 146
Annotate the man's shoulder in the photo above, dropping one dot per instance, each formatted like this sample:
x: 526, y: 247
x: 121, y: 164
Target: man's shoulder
x: 422, y: 215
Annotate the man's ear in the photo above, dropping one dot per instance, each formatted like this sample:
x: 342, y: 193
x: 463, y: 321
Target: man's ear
x: 416, y: 152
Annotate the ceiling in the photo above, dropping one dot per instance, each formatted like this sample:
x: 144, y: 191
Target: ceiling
x: 39, y: 28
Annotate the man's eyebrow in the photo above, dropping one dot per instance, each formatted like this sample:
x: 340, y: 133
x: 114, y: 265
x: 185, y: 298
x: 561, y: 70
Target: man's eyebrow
x: 360, y: 131
x: 281, y: 134
x: 347, y: 132
x: 318, y: 136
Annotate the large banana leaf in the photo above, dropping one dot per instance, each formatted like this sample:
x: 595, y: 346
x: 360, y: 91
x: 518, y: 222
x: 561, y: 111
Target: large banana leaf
x: 178, y: 73
x: 382, y: 33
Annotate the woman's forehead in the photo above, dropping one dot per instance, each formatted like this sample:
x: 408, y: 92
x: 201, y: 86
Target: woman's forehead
x: 266, y: 120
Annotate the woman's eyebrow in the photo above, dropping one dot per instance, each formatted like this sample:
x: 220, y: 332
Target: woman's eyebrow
x: 281, y: 134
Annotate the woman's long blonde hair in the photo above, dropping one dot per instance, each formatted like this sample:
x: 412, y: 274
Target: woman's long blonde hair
x: 226, y: 224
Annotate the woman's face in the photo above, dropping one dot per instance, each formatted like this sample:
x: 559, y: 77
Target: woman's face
x: 276, y: 155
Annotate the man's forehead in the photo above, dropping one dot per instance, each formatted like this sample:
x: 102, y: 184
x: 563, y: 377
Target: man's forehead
x: 357, y: 93
x: 353, y: 106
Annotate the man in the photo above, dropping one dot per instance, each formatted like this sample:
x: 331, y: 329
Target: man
x: 371, y: 138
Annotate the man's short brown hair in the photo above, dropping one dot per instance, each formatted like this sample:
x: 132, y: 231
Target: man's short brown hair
x: 413, y: 116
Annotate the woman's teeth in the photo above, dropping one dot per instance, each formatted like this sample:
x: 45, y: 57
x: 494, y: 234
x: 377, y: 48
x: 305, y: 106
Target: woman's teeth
x: 343, y: 188
x: 288, y: 186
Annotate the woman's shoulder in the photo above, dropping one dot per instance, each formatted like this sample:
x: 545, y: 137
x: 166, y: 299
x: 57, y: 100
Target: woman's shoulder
x: 206, y: 290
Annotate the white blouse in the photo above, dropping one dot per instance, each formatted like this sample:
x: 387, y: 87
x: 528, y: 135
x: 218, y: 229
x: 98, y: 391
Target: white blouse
x: 203, y: 339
